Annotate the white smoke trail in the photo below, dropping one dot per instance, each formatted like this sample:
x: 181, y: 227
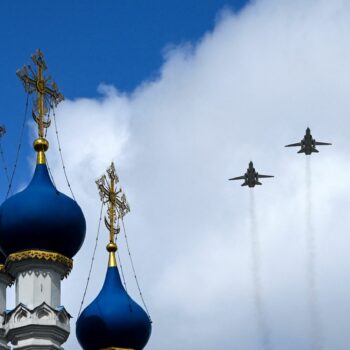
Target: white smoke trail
x: 316, y: 330
x: 256, y: 264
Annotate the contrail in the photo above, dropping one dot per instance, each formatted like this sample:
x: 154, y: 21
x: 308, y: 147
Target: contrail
x: 258, y: 299
x: 313, y: 298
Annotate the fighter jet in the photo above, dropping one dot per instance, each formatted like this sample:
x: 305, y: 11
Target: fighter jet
x: 308, y: 144
x: 251, y: 177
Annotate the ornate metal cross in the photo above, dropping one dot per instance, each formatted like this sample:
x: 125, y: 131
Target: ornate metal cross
x: 118, y: 206
x: 46, y: 90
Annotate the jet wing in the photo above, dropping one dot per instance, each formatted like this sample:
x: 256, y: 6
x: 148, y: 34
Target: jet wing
x: 294, y: 145
x: 264, y: 176
x: 322, y: 143
x: 238, y: 178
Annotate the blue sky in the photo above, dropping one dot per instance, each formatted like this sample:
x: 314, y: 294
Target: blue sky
x: 186, y: 122
x: 87, y: 43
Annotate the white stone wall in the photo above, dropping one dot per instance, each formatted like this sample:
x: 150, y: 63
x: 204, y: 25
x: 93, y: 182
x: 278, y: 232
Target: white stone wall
x: 38, y: 321
x: 38, y: 281
x: 38, y: 285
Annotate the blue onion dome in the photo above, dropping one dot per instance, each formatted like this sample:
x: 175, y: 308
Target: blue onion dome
x: 113, y: 320
x: 41, y: 218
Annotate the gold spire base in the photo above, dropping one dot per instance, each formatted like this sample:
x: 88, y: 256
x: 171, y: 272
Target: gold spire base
x: 41, y: 145
x: 112, y: 248
x: 40, y: 158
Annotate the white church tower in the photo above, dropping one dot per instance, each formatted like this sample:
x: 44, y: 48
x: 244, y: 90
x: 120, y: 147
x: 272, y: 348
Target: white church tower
x: 41, y: 229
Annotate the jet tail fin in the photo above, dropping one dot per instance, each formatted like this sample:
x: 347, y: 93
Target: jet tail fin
x: 301, y: 151
x: 315, y: 150
x: 244, y: 184
x: 258, y: 183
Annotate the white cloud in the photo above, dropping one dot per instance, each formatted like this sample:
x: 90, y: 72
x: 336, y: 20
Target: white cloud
x: 246, y: 89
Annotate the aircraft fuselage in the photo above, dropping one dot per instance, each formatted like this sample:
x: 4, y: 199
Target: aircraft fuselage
x: 308, y: 144
x: 251, y: 177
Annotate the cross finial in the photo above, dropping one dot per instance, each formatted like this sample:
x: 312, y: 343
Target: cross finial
x: 117, y: 207
x: 47, y: 95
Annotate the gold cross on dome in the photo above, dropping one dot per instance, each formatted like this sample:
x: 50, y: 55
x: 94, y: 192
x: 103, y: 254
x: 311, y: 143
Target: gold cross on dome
x: 115, y: 199
x: 46, y: 90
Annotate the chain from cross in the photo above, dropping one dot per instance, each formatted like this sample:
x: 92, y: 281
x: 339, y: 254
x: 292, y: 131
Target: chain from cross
x: 118, y: 206
x: 47, y: 91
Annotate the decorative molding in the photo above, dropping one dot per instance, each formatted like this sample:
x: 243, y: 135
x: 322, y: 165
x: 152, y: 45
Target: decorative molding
x: 40, y: 255
x: 43, y: 327
x: 35, y: 272
x: 22, y: 311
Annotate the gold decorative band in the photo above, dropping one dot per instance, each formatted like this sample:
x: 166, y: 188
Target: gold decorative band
x: 40, y: 255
